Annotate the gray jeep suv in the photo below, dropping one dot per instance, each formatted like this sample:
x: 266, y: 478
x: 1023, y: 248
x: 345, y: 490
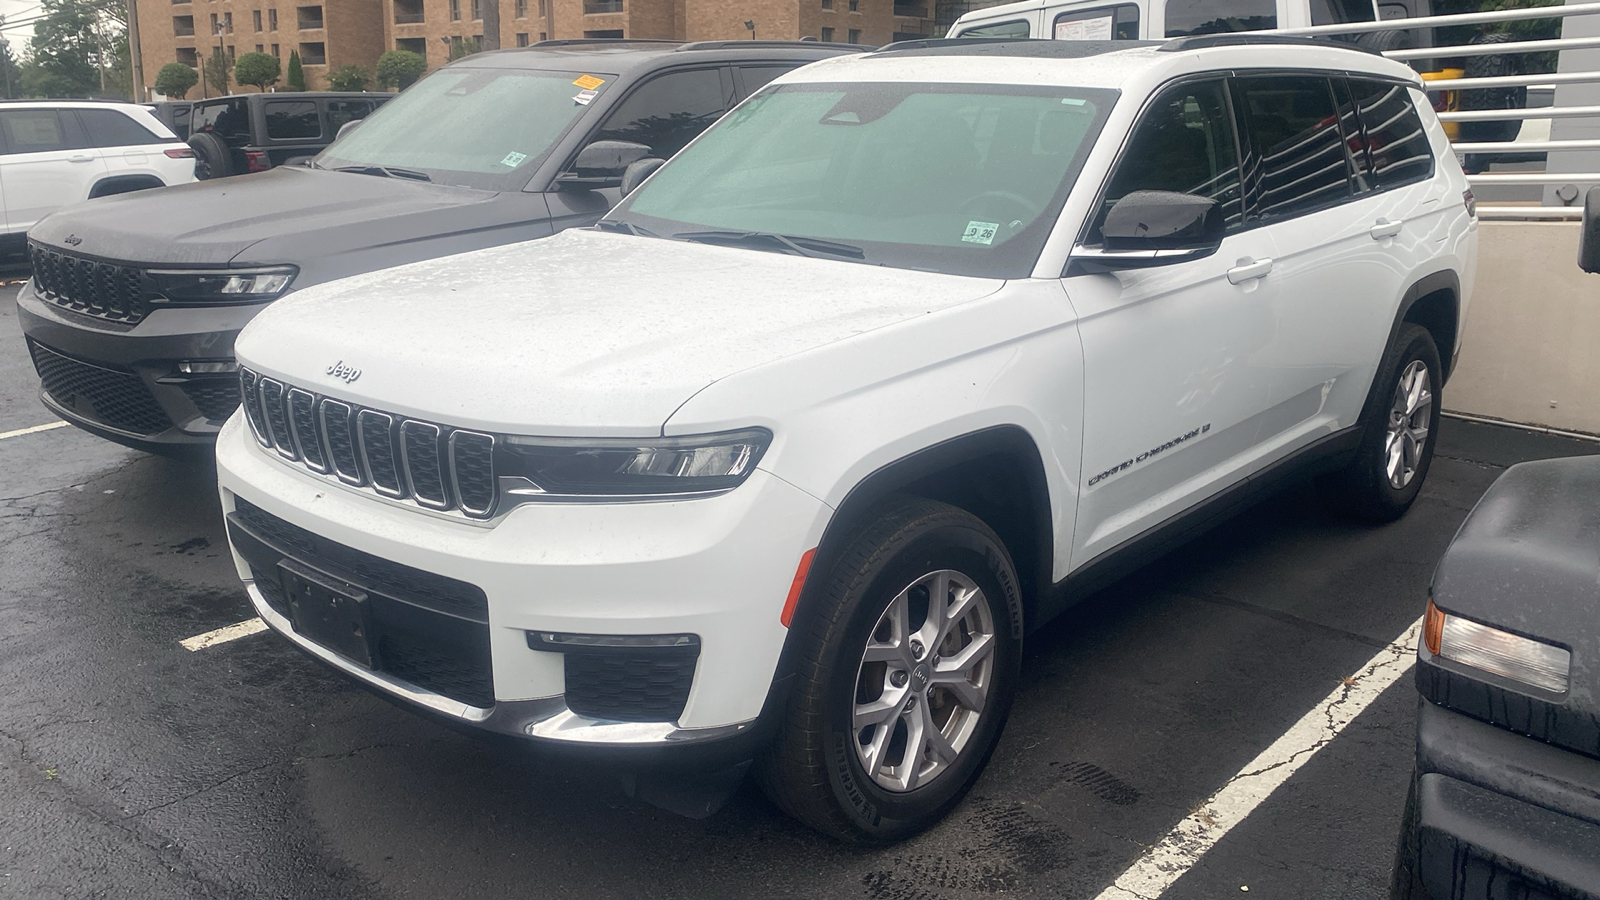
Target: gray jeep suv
x: 135, y: 302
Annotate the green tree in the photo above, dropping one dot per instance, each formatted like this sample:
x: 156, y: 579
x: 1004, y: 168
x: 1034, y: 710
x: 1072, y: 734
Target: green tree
x: 259, y: 69
x: 297, y: 75
x: 65, y: 53
x: 175, y: 79
x: 217, y: 69
x: 349, y: 78
x: 10, y: 72
x: 399, y: 68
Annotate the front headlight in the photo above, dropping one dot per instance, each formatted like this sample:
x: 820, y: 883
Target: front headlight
x: 563, y: 468
x: 214, y: 286
x: 1508, y: 655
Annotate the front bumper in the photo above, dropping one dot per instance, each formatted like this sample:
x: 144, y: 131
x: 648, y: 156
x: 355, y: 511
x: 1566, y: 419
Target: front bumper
x: 717, y: 568
x: 123, y: 383
x: 1502, y: 815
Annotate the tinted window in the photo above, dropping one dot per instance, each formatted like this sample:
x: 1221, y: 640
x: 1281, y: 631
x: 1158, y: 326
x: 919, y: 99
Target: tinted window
x: 667, y: 112
x: 1204, y: 17
x: 1355, y: 152
x: 342, y: 111
x: 1120, y: 23
x: 1297, y: 158
x: 230, y: 121
x: 109, y: 128
x: 1338, y: 12
x: 756, y: 77
x: 32, y: 131
x: 1184, y: 143
x: 1017, y: 29
x: 290, y: 119
x: 1396, y: 142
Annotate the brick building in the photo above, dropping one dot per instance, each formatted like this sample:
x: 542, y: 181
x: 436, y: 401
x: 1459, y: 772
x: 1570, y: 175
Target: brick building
x: 332, y: 33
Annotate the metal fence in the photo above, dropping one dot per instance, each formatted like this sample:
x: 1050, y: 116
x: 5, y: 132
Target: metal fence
x: 1580, y: 178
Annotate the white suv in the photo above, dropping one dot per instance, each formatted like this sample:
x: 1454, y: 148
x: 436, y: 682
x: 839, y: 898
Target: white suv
x: 57, y: 152
x: 906, y: 354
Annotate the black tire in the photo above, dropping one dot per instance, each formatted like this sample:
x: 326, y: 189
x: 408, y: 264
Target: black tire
x: 1379, y: 41
x: 212, y: 158
x: 812, y: 770
x: 1363, y: 489
x: 1406, y: 882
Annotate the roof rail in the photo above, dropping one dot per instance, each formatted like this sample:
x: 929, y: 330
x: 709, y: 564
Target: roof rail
x: 1036, y: 48
x: 592, y: 42
x: 1247, y: 38
x: 802, y: 43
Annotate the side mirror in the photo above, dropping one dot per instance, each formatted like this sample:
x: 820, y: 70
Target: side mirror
x: 637, y: 171
x: 303, y: 162
x: 1589, y: 237
x: 1156, y: 228
x: 602, y: 163
x: 346, y: 128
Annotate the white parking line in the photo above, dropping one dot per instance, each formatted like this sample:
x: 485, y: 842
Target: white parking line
x: 224, y: 635
x: 1183, y: 846
x: 34, y: 430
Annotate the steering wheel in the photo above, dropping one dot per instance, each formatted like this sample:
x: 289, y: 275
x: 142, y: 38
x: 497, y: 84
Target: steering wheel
x: 1025, y: 208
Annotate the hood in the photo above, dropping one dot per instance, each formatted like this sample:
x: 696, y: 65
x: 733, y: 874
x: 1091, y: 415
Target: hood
x: 304, y: 211
x: 584, y: 333
x: 1527, y: 560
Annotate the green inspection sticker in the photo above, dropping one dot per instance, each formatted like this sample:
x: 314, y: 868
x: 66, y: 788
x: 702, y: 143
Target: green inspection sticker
x: 513, y: 159
x: 980, y: 232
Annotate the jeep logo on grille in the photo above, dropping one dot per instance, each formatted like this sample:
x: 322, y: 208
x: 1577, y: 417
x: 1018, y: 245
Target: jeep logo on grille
x: 340, y: 370
x: 72, y: 240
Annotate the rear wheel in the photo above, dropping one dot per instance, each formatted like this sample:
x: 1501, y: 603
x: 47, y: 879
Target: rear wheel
x: 1397, y: 441
x: 212, y: 159
x: 909, y: 657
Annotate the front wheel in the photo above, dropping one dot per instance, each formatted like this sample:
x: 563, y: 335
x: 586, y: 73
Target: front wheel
x: 1397, y: 440
x: 909, y: 654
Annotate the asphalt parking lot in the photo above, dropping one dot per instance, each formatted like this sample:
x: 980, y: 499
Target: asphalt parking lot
x: 132, y: 767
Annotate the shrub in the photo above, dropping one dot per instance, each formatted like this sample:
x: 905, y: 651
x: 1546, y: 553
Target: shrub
x: 259, y: 69
x: 297, y: 75
x: 349, y: 78
x: 399, y: 68
x: 175, y: 79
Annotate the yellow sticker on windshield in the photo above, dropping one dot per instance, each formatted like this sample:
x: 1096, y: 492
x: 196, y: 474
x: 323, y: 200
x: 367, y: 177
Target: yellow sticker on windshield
x: 589, y: 82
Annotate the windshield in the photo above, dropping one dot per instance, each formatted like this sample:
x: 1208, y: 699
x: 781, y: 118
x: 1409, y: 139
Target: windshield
x: 965, y: 179
x: 479, y: 128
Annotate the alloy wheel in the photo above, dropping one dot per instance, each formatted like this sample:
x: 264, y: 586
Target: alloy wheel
x: 1409, y: 417
x: 924, y: 680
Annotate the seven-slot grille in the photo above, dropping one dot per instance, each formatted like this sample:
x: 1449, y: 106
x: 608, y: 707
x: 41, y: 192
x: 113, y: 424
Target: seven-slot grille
x: 435, y: 466
x: 88, y: 286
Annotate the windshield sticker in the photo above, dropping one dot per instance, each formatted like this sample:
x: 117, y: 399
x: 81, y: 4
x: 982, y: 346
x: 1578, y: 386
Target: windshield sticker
x: 980, y: 233
x: 585, y: 96
x: 589, y: 82
x: 513, y: 159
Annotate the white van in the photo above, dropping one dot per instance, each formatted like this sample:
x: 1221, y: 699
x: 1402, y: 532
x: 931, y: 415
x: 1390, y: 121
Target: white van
x: 1104, y: 20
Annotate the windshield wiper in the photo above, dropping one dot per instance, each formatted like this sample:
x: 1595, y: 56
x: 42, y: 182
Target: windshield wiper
x: 815, y: 248
x: 624, y: 228
x: 386, y: 172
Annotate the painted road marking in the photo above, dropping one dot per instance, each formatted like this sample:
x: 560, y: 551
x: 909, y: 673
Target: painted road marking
x: 224, y: 635
x: 34, y: 430
x: 1183, y: 846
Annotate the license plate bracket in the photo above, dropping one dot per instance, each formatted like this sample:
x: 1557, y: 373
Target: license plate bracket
x: 329, y: 612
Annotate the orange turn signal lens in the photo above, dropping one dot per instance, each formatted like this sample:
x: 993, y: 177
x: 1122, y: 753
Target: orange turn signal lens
x: 1432, y: 628
x: 797, y: 586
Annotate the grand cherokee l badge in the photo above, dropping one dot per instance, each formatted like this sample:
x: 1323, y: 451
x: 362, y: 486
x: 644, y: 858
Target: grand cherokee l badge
x: 340, y: 370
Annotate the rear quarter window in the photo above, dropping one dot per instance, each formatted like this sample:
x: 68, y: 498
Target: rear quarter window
x: 1018, y: 28
x: 110, y: 128
x: 1394, y: 138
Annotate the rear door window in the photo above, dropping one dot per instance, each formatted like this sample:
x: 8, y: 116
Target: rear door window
x: 1106, y: 23
x: 754, y: 78
x: 1340, y: 12
x: 33, y: 131
x: 667, y: 112
x: 1017, y: 28
x: 289, y: 120
x: 1186, y: 17
x: 109, y: 128
x: 1292, y: 130
x: 1395, y: 141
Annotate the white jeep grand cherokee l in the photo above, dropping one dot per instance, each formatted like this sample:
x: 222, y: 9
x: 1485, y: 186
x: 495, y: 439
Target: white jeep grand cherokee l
x: 906, y: 354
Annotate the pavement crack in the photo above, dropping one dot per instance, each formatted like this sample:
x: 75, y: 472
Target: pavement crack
x: 211, y: 787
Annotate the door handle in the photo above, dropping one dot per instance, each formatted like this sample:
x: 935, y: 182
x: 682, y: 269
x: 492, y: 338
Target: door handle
x: 1249, y: 269
x: 80, y: 157
x: 1385, y: 229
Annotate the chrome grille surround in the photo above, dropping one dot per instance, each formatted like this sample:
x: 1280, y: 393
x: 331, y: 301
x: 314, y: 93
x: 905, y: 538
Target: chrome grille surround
x: 412, y: 460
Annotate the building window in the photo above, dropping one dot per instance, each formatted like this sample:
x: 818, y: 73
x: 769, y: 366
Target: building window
x: 309, y: 17
x: 477, y: 10
x: 260, y: 48
x: 455, y: 10
x: 827, y: 35
x: 419, y: 46
x: 544, y: 8
x: 231, y: 55
x: 522, y: 39
x: 522, y: 9
x: 227, y: 22
x: 255, y: 19
x: 183, y: 26
x: 827, y: 4
x: 543, y: 36
x: 272, y: 20
x: 595, y: 7
x: 615, y: 33
x: 408, y: 12
x: 188, y: 57
x: 275, y: 51
x: 313, y: 53
x: 855, y: 5
x: 855, y: 35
